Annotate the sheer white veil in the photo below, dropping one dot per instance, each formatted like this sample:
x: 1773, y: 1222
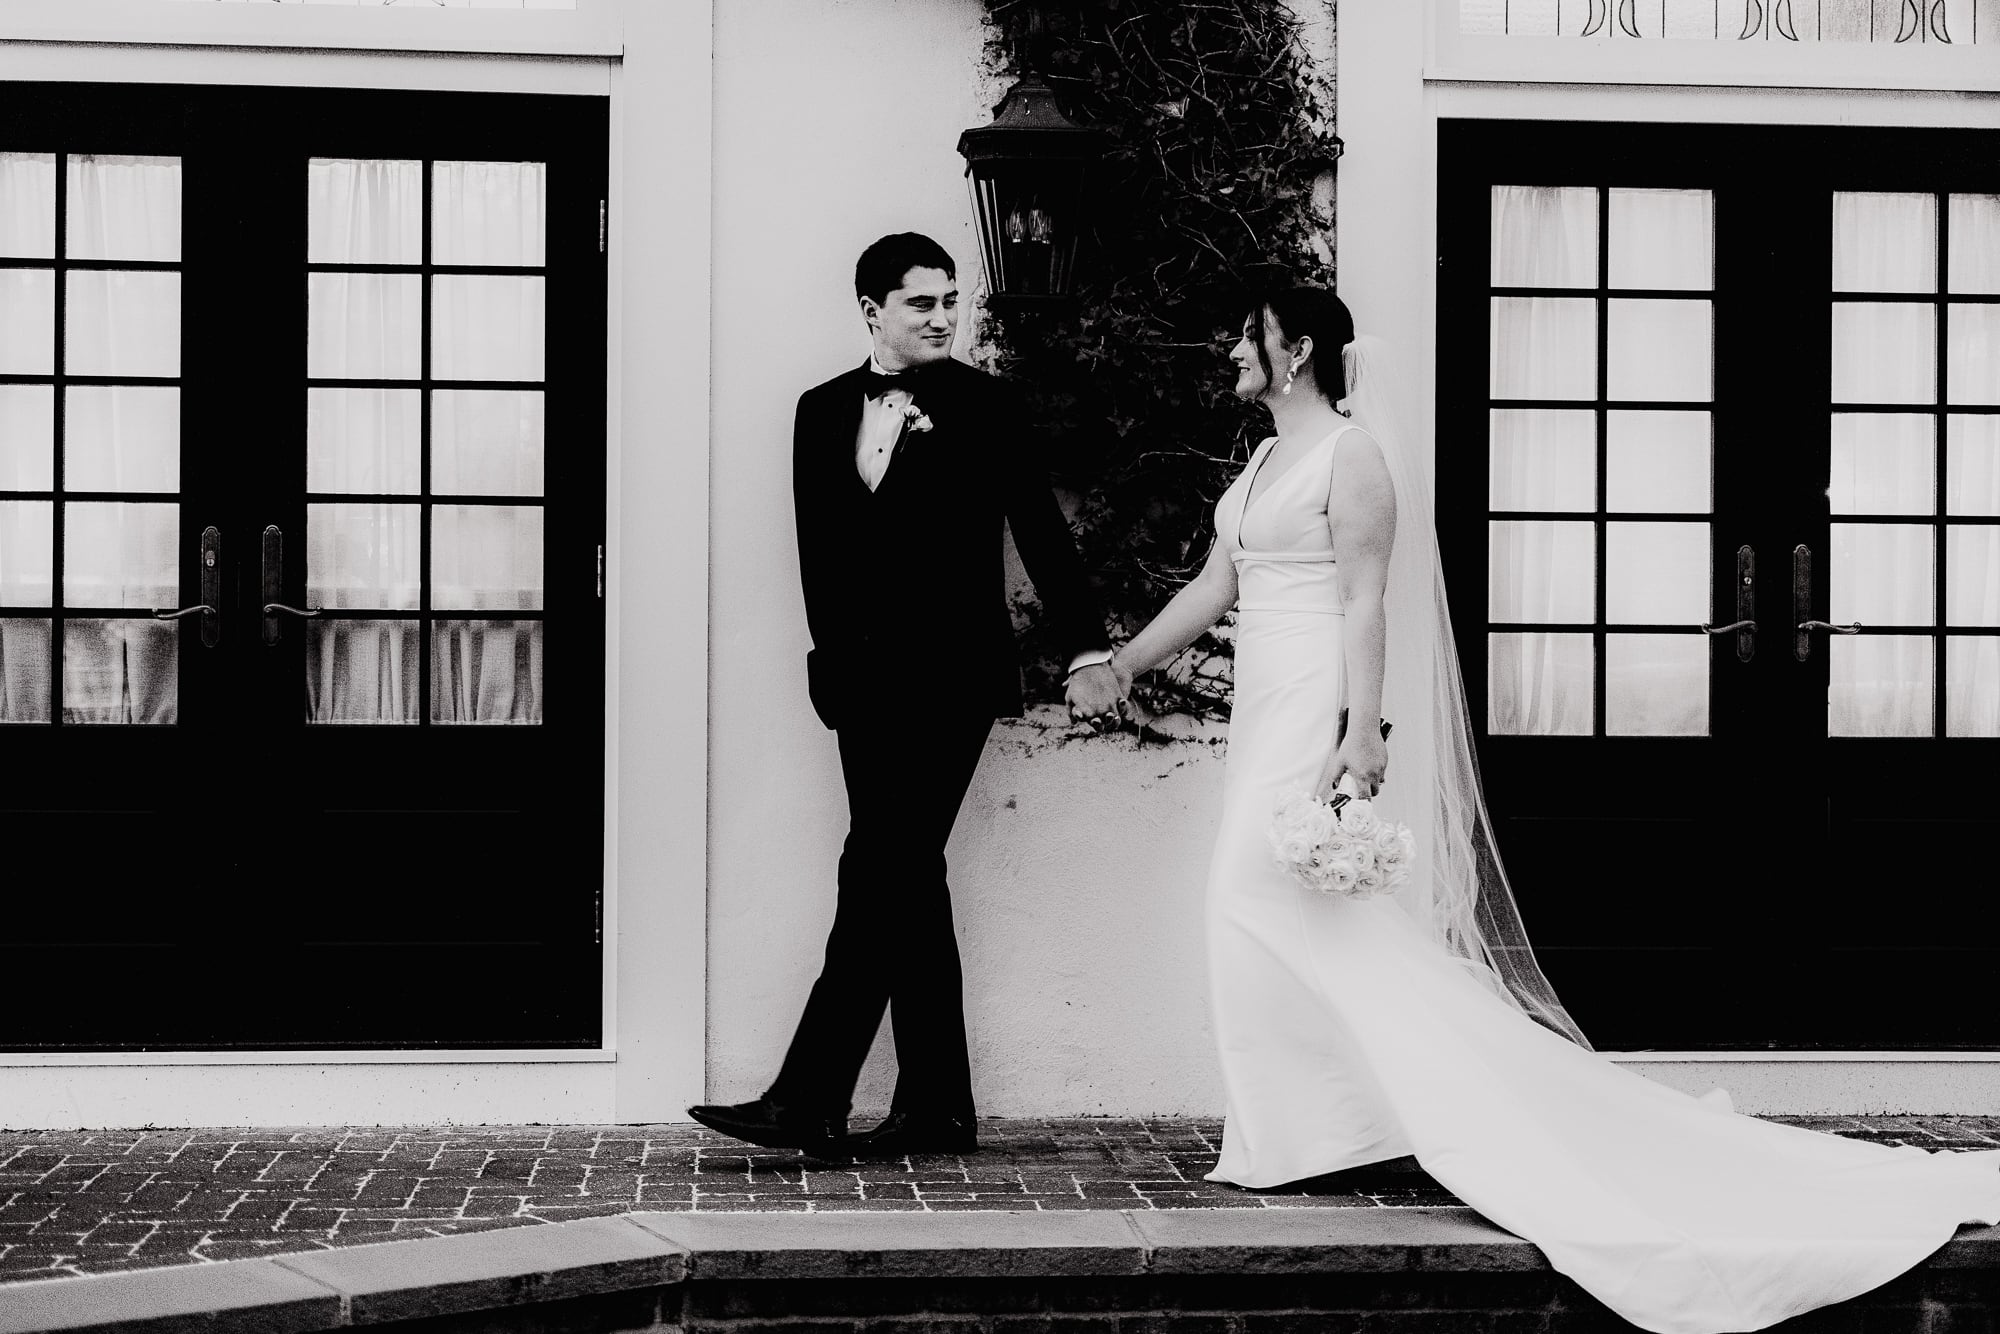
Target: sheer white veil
x: 1458, y: 890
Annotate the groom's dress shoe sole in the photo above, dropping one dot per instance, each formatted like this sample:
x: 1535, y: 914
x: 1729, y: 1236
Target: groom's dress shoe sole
x: 824, y: 1138
x: 897, y: 1138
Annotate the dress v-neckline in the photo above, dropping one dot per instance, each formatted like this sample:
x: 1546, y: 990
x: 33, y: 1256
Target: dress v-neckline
x: 1250, y: 499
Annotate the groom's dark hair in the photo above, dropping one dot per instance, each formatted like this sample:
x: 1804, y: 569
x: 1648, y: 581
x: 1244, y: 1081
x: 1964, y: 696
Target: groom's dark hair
x: 882, y: 265
x: 1308, y: 312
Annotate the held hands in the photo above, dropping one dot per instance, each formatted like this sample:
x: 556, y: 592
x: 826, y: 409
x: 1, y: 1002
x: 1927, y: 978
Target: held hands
x: 1363, y: 755
x: 1096, y: 695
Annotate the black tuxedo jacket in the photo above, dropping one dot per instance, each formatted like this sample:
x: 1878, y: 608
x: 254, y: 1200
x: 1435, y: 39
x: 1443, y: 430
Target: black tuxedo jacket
x: 905, y: 586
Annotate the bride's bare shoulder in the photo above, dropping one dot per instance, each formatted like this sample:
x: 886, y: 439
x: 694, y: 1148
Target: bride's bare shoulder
x: 1360, y: 473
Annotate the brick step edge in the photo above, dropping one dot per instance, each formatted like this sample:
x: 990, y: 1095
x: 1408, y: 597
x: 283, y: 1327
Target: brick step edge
x: 359, y: 1286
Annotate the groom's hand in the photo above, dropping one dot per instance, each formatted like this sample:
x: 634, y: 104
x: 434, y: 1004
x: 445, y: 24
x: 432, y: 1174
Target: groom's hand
x: 1095, y: 697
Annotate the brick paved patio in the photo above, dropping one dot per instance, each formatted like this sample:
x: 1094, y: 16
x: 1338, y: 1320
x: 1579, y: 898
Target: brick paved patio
x: 80, y: 1202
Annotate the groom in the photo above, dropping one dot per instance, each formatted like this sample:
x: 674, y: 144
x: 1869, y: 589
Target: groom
x: 904, y: 471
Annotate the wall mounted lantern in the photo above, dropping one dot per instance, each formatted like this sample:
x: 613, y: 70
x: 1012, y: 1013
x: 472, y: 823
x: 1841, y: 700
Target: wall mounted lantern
x: 1027, y: 171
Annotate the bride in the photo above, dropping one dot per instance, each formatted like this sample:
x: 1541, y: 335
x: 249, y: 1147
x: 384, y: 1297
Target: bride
x: 1356, y: 1030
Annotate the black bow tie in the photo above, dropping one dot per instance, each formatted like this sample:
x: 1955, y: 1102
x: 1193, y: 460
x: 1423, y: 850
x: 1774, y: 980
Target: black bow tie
x: 906, y: 381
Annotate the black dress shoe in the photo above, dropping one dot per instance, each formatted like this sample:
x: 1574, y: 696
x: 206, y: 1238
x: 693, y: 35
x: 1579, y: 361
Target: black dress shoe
x: 774, y: 1126
x: 909, y: 1132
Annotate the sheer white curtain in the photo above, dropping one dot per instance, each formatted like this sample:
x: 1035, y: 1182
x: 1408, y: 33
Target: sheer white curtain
x: 1542, y: 347
x: 122, y: 553
x: 1972, y: 482
x: 1973, y: 599
x: 1883, y: 574
x: 484, y: 327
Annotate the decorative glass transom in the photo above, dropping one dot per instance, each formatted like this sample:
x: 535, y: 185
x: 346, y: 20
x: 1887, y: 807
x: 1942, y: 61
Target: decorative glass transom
x: 1959, y: 22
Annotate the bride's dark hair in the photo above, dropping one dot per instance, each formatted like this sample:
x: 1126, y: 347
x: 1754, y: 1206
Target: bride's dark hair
x: 1307, y: 312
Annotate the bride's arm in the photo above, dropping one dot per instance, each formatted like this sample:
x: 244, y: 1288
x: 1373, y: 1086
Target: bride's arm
x: 1361, y: 520
x: 1200, y: 604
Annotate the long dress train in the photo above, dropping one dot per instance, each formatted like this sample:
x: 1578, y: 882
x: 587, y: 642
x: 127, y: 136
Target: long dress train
x: 1348, y: 1037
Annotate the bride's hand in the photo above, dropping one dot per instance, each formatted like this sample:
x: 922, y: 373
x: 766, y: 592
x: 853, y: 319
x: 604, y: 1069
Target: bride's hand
x: 1364, y: 756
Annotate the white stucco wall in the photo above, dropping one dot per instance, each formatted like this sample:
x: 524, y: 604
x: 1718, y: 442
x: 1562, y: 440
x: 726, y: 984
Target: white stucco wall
x: 1077, y: 863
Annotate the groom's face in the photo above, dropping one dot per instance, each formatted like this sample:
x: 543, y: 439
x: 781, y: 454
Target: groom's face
x: 915, y: 323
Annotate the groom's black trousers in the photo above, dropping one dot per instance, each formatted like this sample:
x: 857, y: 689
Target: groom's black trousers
x: 892, y: 944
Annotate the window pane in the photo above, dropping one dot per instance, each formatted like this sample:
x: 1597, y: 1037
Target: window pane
x: 121, y: 672
x: 1879, y: 685
x: 486, y: 672
x: 1658, y: 461
x: 121, y: 554
x: 1884, y: 353
x: 27, y: 322
x: 1541, y: 571
x: 1972, y: 355
x: 24, y: 671
x: 1659, y: 350
x: 1882, y: 574
x: 122, y: 438
x: 1884, y: 242
x: 1656, y: 573
x: 1972, y: 575
x: 1882, y: 463
x: 27, y: 552
x: 124, y: 207
x: 1663, y: 238
x: 364, y: 326
x: 486, y: 557
x: 123, y: 322
x: 364, y: 212
x: 362, y: 556
x: 1656, y: 685
x: 486, y: 442
x: 366, y: 440
x: 1544, y: 347
x: 28, y: 206
x: 1539, y: 685
x: 361, y: 671
x: 486, y: 327
x: 1972, y: 685
x: 1543, y: 459
x: 1975, y: 244
x: 488, y: 212
x: 1972, y: 465
x: 27, y: 437
x: 1544, y: 236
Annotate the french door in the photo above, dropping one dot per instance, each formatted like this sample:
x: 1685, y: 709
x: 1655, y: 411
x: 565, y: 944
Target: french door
x: 1719, y: 483
x: 301, y: 525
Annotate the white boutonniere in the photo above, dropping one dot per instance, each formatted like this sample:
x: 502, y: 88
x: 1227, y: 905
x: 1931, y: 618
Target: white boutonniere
x: 914, y: 417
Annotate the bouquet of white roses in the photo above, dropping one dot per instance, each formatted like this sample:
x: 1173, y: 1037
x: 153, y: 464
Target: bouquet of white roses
x: 1340, y: 846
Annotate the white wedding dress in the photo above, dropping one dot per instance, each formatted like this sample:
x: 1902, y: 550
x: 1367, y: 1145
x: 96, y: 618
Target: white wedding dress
x: 1348, y: 1037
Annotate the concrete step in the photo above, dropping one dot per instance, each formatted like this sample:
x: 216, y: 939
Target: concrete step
x: 1164, y: 1271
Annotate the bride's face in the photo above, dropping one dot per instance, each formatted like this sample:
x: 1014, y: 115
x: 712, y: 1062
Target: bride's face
x: 1253, y: 382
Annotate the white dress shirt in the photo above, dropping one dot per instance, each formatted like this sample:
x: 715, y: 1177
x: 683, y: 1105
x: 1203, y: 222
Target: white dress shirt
x: 881, y: 426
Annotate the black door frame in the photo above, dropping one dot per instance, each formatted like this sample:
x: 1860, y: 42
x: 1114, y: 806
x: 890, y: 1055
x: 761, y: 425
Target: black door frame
x: 1724, y: 867
x: 267, y: 885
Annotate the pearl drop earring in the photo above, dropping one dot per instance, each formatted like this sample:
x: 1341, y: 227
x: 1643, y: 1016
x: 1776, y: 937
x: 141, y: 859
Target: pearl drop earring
x: 1290, y: 371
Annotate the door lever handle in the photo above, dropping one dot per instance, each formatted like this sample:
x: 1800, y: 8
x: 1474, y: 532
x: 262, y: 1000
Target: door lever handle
x: 1802, y: 600
x: 273, y: 586
x: 1745, y: 625
x: 210, y: 606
